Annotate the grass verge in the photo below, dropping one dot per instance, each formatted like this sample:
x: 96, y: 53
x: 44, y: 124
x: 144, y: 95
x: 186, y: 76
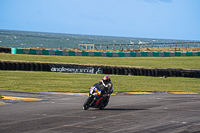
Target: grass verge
x: 146, y: 62
x: 79, y: 83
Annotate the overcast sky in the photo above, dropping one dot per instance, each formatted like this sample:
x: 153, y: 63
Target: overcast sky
x: 162, y: 19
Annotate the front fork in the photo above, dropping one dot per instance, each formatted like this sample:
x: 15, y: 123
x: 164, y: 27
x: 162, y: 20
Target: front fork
x: 93, y: 99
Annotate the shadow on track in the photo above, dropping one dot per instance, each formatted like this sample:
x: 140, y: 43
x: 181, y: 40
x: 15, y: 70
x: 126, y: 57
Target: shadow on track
x: 122, y: 109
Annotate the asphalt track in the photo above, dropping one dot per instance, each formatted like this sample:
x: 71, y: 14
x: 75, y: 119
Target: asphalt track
x: 135, y: 113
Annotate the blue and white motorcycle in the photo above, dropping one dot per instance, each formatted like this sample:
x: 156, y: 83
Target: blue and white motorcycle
x: 97, y: 98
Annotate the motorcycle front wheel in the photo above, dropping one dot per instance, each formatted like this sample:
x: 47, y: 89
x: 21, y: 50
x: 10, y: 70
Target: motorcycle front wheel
x: 86, y: 104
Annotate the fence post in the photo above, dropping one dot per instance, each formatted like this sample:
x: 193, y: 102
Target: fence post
x: 194, y: 44
x: 158, y: 45
x: 170, y: 44
x: 133, y: 46
x: 164, y: 44
x: 188, y: 45
x: 113, y: 47
x: 182, y: 44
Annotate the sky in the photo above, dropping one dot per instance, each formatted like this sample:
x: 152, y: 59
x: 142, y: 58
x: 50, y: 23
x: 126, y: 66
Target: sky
x: 161, y: 19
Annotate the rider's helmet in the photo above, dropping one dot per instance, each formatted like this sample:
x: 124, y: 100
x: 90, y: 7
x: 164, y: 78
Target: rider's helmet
x: 105, y: 81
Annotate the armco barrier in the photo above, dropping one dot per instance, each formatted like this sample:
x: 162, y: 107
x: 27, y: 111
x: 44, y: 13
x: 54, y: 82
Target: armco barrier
x: 103, y: 54
x: 74, y: 68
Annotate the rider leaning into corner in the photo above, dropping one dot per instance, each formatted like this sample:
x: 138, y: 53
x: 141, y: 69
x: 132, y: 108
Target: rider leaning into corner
x: 106, y: 83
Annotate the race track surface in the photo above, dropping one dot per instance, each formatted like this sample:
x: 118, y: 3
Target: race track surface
x: 63, y: 113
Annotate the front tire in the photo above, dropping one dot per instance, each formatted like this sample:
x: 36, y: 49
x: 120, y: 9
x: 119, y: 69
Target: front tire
x: 86, y: 107
x: 87, y: 103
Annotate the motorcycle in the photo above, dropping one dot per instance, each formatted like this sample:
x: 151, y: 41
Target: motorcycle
x: 97, y: 98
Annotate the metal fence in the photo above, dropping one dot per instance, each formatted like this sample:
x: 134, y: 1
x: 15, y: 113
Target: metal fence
x: 138, y: 46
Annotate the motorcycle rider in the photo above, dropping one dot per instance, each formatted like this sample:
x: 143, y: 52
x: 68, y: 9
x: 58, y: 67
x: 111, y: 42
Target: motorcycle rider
x: 106, y: 83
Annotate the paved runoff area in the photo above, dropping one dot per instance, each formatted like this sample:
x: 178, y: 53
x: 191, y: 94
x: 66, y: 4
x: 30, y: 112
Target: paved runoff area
x: 126, y: 112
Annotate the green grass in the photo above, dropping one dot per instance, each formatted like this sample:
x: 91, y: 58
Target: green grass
x: 77, y: 82
x: 146, y: 62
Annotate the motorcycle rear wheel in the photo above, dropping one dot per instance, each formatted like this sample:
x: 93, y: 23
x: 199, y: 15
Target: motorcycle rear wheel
x: 105, y: 104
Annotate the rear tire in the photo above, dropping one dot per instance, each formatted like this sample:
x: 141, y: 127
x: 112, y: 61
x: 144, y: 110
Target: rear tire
x: 105, y: 104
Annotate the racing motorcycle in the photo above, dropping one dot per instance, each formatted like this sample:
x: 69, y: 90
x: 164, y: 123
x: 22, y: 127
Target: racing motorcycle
x: 97, y: 98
